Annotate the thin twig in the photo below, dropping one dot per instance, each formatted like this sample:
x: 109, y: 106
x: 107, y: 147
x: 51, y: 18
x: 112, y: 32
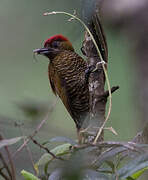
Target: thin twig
x: 110, y: 144
x: 29, y: 152
x: 46, y: 149
x: 5, y: 165
x: 12, y: 172
x: 4, y: 175
x: 35, y: 131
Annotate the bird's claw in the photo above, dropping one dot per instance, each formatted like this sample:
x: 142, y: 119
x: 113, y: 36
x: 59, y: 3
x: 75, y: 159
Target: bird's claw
x: 97, y: 65
x: 92, y: 69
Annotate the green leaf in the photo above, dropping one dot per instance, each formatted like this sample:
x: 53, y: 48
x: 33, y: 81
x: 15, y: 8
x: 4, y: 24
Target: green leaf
x: 137, y: 174
x: 109, y: 154
x: 133, y: 166
x: 58, y: 151
x: 129, y: 178
x: 7, y: 142
x: 61, y: 149
x: 61, y: 139
x: 28, y: 175
x: 45, y: 158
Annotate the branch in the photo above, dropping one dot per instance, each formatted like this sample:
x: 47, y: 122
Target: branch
x: 142, y: 137
x: 29, y: 152
x: 4, y: 175
x: 11, y: 163
x: 46, y: 149
x: 4, y: 166
x: 12, y: 172
x: 35, y: 131
x: 97, y: 58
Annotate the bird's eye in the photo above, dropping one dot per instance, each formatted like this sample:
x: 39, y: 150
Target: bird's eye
x: 55, y: 44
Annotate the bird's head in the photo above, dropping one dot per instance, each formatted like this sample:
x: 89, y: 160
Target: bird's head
x: 54, y: 45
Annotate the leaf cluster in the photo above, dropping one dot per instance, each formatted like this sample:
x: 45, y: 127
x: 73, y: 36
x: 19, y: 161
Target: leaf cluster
x: 117, y: 160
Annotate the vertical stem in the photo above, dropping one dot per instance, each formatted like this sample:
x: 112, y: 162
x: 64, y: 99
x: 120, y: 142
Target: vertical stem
x: 12, y: 172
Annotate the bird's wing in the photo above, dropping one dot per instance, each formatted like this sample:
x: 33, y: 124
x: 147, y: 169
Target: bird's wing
x: 59, y: 88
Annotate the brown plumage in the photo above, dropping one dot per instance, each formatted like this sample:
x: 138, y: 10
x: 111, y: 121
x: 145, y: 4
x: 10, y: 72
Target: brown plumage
x: 66, y: 72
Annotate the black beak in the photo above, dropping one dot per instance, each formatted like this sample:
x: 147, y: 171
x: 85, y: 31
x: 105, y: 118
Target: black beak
x: 42, y: 51
x: 48, y: 52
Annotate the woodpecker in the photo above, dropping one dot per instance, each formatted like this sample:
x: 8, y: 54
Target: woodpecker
x: 67, y: 77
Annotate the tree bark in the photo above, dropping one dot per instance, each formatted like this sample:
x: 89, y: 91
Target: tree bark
x: 98, y: 98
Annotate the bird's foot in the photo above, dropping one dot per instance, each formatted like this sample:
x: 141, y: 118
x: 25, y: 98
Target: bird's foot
x: 86, y: 135
x: 92, y: 69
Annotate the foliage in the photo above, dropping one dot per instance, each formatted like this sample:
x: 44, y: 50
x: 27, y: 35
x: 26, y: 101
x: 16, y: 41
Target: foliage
x: 117, y: 160
x: 125, y: 161
x: 28, y: 176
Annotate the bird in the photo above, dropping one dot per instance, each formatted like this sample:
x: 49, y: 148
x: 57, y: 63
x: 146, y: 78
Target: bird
x: 67, y: 76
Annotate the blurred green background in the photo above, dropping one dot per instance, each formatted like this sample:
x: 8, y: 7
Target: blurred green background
x: 24, y: 80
